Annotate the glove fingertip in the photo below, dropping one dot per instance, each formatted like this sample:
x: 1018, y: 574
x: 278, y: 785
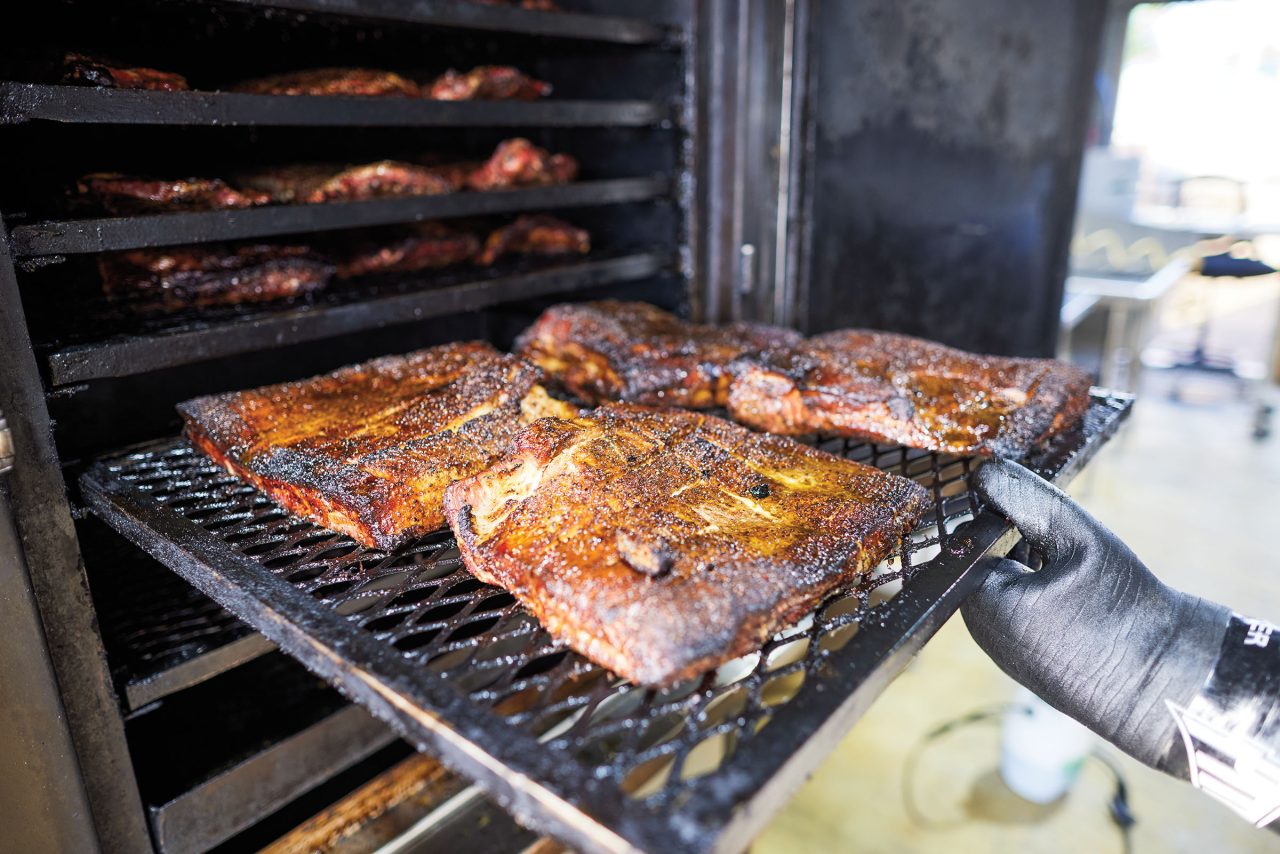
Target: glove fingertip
x: 1035, y: 506
x: 996, y: 477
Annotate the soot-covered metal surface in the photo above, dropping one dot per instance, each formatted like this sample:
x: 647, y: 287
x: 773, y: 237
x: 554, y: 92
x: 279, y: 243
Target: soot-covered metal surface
x: 462, y: 671
x: 23, y: 102
x: 945, y: 149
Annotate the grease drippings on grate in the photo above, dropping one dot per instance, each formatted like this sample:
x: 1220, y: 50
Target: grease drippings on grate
x: 422, y: 602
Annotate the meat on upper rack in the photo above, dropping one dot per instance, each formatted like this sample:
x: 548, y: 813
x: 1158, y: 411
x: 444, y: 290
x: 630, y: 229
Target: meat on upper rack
x: 84, y: 70
x: 211, y: 274
x: 515, y: 163
x: 368, y: 82
x: 315, y: 183
x: 533, y: 5
x: 519, y: 163
x: 405, y: 249
x: 127, y: 194
x: 536, y: 234
x: 488, y: 83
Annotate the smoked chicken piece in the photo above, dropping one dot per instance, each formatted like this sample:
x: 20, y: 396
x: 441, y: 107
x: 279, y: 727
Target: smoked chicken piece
x: 662, y: 543
x: 369, y: 82
x: 900, y: 390
x: 539, y: 234
x: 519, y: 163
x: 488, y: 83
x: 316, y: 183
x: 126, y: 194
x: 634, y: 352
x: 368, y: 449
x: 422, y: 246
x: 209, y: 274
x: 85, y: 70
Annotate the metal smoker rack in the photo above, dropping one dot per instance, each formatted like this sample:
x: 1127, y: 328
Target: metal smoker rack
x: 462, y: 671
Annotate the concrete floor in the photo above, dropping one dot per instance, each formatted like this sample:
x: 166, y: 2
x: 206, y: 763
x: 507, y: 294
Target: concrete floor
x: 1198, y: 500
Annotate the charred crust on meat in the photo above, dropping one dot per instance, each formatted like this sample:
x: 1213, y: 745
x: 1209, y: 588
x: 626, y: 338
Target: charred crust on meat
x: 637, y: 353
x: 464, y: 525
x: 646, y: 553
x: 895, y: 389
x: 657, y: 573
x: 368, y: 449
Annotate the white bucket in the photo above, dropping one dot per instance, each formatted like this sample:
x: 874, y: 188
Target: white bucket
x: 1041, y: 749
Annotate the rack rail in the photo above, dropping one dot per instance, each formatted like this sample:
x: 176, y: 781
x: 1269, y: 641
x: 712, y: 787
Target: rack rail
x: 24, y: 102
x: 469, y: 15
x: 168, y: 636
x: 68, y: 237
x: 202, y: 792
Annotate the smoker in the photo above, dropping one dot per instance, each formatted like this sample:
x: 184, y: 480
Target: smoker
x: 187, y: 667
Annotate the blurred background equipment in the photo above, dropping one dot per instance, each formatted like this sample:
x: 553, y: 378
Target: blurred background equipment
x: 1183, y: 165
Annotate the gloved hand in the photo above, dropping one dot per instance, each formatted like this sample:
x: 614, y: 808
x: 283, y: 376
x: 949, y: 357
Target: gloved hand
x: 1093, y: 633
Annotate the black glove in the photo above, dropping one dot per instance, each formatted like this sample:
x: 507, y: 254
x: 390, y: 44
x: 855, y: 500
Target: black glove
x: 1093, y: 633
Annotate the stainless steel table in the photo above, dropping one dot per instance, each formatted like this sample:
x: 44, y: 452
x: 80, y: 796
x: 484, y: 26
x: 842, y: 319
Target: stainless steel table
x: 1129, y: 302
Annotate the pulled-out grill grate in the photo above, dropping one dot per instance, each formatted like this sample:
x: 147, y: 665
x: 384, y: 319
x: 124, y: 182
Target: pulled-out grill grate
x: 465, y: 672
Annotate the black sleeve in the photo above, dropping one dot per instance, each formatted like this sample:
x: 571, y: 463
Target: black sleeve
x: 1229, y: 732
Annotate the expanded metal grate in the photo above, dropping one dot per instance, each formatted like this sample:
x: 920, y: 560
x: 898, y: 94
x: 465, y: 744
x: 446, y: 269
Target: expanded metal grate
x: 568, y: 746
x: 162, y: 635
x: 152, y: 622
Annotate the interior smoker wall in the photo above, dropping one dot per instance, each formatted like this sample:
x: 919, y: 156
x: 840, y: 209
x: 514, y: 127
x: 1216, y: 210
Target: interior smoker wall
x: 947, y: 141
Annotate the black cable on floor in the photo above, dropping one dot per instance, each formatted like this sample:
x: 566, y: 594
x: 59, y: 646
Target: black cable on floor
x: 1118, y: 806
